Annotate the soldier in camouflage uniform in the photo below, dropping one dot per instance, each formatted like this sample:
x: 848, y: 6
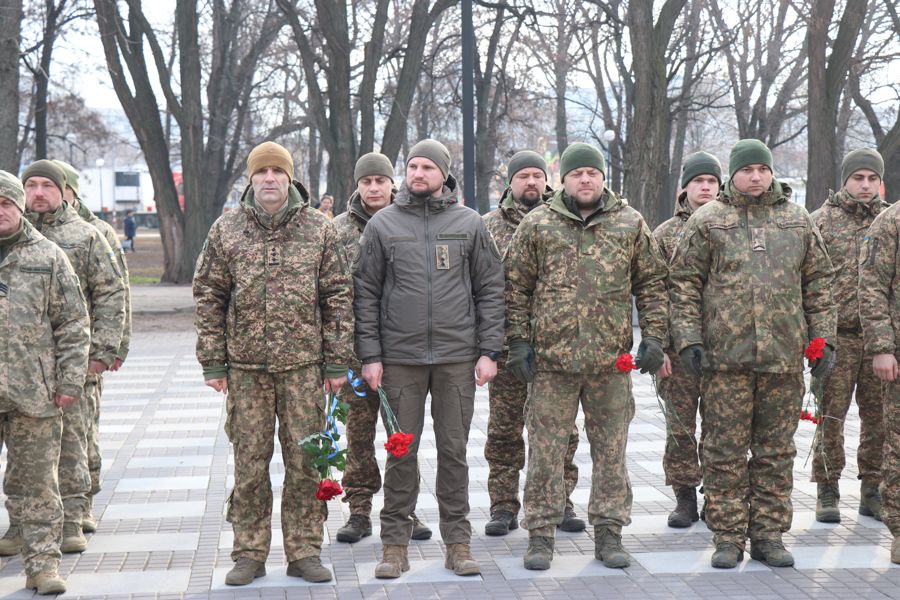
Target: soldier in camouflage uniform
x: 94, y: 383
x: 505, y: 447
x: 750, y: 286
x: 843, y: 221
x: 103, y: 289
x: 571, y: 270
x: 274, y: 313
x: 701, y: 176
x: 374, y: 176
x: 44, y: 345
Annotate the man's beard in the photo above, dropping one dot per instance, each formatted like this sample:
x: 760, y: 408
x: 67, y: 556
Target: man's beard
x: 529, y: 202
x: 421, y: 195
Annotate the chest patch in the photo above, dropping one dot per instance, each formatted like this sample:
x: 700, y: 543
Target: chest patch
x: 442, y: 257
x: 4, y: 289
x: 758, y: 239
x: 273, y: 254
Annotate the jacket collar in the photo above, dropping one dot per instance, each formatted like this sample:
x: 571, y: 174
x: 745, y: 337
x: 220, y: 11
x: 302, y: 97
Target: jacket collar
x: 843, y: 200
x: 448, y: 196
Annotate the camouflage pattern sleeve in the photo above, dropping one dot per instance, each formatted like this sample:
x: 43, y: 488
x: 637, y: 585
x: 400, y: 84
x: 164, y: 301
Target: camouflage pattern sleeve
x: 212, y: 292
x: 817, y: 277
x: 368, y: 283
x: 69, y: 321
x: 520, y: 265
x: 335, y: 302
x: 877, y: 273
x: 107, y: 291
x: 113, y: 240
x: 487, y: 289
x: 688, y: 271
x: 648, y: 284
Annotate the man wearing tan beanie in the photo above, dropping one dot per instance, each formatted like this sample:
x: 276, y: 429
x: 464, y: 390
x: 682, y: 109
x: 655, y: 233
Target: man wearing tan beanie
x: 274, y: 325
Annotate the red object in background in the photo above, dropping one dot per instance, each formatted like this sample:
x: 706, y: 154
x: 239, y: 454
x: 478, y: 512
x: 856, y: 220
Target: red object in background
x: 179, y: 186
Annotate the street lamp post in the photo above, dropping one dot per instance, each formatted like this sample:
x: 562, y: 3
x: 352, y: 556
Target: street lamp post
x: 608, y: 136
x: 100, y: 162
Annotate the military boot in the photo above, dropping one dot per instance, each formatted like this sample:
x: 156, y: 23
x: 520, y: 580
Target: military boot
x: 244, y: 571
x: 895, y: 550
x: 73, y: 539
x: 539, y: 553
x: 608, y: 548
x: 827, y: 496
x: 459, y: 560
x: 685, y: 513
x: 11, y: 542
x: 46, y: 583
x: 310, y: 569
x: 571, y: 523
x: 89, y: 523
x: 356, y: 528
x: 501, y: 523
x: 394, y: 561
x: 727, y: 555
x: 870, y: 500
x: 420, y: 531
x: 771, y: 552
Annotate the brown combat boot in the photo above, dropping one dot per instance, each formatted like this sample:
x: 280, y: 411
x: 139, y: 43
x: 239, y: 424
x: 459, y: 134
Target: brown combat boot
x: 459, y: 560
x: 46, y: 583
x: 685, y: 513
x: 870, y: 500
x: 394, y: 561
x: 73, y: 539
x: 89, y: 523
x: 11, y: 542
x: 310, y: 569
x: 244, y: 571
x: 827, y: 497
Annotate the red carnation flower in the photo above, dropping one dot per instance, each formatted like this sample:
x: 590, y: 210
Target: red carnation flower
x: 625, y: 363
x: 328, y: 489
x: 816, y: 349
x: 398, y: 444
x: 808, y: 416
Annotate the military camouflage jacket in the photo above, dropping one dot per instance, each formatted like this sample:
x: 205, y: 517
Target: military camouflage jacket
x: 113, y: 240
x: 879, y: 283
x: 843, y: 222
x: 503, y: 220
x: 98, y: 273
x: 751, y: 281
x: 669, y: 233
x: 44, y: 327
x: 272, y: 293
x: 569, y: 284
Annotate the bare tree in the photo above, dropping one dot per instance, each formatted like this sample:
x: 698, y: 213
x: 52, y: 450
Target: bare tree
x: 10, y: 36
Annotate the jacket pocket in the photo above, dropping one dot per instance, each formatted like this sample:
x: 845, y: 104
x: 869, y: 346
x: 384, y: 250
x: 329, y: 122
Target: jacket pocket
x: 46, y: 378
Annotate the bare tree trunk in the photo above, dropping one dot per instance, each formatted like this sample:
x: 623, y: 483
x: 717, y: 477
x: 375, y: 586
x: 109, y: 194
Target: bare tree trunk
x: 42, y: 77
x: 10, y: 35
x: 825, y: 83
x: 684, y: 99
x: 315, y: 163
x: 370, y: 71
x: 560, y: 70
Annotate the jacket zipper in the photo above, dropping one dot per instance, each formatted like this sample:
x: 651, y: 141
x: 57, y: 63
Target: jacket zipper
x: 428, y: 349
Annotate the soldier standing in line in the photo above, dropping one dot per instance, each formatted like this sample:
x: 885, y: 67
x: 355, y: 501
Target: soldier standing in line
x: 750, y: 286
x: 505, y: 448
x: 104, y: 291
x: 701, y: 177
x: 429, y: 310
x: 274, y: 314
x: 44, y: 344
x: 374, y: 176
x: 844, y: 220
x: 571, y: 270
x: 94, y: 383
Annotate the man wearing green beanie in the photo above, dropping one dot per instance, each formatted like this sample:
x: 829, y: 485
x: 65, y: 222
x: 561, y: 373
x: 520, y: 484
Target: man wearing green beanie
x: 505, y: 446
x: 843, y: 220
x: 374, y: 175
x: 94, y: 383
x: 750, y: 287
x: 44, y: 343
x: 429, y: 313
x: 571, y: 270
x: 701, y: 176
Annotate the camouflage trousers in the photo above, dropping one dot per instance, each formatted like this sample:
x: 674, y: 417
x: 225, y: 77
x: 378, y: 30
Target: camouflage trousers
x: 755, y: 413
x: 93, y: 389
x: 681, y: 394
x: 608, y: 405
x: 74, y: 473
x: 505, y: 446
x: 890, y: 466
x: 255, y: 399
x: 32, y: 488
x: 851, y: 369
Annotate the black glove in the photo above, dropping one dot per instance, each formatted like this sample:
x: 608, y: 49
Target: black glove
x: 821, y: 367
x: 520, y: 361
x: 649, y: 356
x: 692, y: 359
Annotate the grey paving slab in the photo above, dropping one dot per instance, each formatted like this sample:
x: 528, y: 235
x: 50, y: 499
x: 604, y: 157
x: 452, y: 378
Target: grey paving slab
x: 160, y: 581
x: 691, y: 561
x: 141, y: 484
x: 562, y: 567
x: 143, y: 542
x: 145, y: 462
x: 420, y: 571
x: 154, y: 510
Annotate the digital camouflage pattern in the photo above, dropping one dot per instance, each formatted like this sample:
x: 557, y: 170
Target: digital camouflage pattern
x: 681, y: 390
x: 552, y: 406
x: 93, y: 390
x: 879, y: 315
x: 272, y: 294
x: 504, y: 449
x: 254, y: 399
x: 843, y: 222
x: 751, y: 282
x: 569, y: 285
x: 749, y: 497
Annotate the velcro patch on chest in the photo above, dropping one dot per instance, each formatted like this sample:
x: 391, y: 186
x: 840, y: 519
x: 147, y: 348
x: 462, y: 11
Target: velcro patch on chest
x: 273, y: 254
x: 4, y: 289
x: 758, y: 239
x: 442, y: 257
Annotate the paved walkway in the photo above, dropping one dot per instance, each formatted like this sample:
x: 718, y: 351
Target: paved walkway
x: 167, y: 472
